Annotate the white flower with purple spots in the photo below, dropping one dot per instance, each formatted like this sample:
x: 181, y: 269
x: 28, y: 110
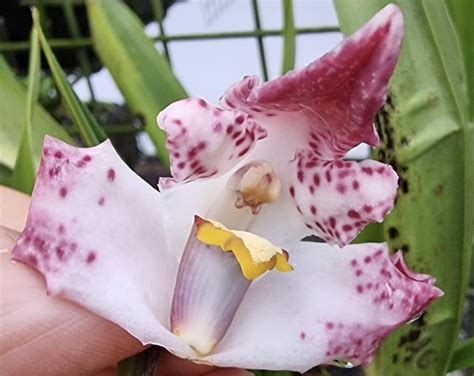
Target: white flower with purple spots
x: 190, y: 268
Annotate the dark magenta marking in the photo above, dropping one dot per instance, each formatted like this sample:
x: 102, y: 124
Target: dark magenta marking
x: 111, y: 174
x: 32, y: 260
x: 300, y: 176
x: 353, y: 214
x: 243, y: 152
x: 367, y: 170
x: 341, y: 188
x: 239, y: 119
x: 63, y: 192
x: 54, y: 171
x: 60, y: 252
x: 316, y: 179
x: 328, y: 176
x: 347, y: 228
x: 91, y: 257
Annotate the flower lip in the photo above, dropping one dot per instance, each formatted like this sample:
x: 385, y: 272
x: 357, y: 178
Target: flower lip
x: 254, y: 254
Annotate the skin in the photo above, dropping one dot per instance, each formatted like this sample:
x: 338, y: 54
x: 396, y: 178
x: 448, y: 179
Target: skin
x: 41, y: 335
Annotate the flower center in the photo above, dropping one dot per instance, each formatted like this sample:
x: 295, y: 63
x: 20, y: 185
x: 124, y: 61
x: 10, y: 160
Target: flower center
x: 246, y: 191
x: 255, y: 184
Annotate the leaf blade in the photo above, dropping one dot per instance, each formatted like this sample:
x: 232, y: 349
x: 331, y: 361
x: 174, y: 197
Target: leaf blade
x: 143, y: 76
x: 426, y: 122
x: 23, y: 176
x: 90, y: 131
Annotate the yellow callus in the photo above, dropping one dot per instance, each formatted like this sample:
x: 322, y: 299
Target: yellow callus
x: 254, y: 254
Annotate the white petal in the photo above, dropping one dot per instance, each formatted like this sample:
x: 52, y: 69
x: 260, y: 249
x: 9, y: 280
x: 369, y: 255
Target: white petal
x: 94, y: 231
x: 336, y: 304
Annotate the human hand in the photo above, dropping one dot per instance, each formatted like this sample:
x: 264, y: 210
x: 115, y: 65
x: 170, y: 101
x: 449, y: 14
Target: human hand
x: 44, y: 335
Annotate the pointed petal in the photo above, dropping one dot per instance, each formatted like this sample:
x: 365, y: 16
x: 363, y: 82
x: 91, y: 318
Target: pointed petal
x: 335, y: 98
x: 337, y: 304
x: 209, y: 289
x: 338, y: 199
x: 94, y: 231
x: 205, y: 141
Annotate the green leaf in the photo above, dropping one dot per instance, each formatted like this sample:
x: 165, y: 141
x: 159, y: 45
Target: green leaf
x: 90, y: 131
x: 142, y: 74
x: 5, y: 175
x: 373, y: 233
x: 462, y: 12
x: 13, y: 99
x: 23, y: 177
x: 289, y: 37
x: 430, y: 146
x: 463, y: 356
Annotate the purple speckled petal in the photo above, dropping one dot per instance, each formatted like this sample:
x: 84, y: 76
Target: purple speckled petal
x: 94, y: 231
x: 337, y: 199
x: 335, y: 98
x: 336, y: 304
x: 205, y: 141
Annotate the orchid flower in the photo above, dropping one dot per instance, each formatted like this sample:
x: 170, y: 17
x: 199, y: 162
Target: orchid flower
x: 213, y: 267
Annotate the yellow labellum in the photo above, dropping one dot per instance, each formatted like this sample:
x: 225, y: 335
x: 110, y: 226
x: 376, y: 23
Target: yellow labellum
x: 254, y: 254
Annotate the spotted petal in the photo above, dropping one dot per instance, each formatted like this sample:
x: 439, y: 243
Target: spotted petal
x: 336, y: 304
x: 205, y: 141
x: 94, y: 231
x: 332, y: 102
x: 338, y: 198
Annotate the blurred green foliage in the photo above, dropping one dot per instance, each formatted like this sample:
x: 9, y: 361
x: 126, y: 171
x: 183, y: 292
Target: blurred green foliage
x: 142, y: 74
